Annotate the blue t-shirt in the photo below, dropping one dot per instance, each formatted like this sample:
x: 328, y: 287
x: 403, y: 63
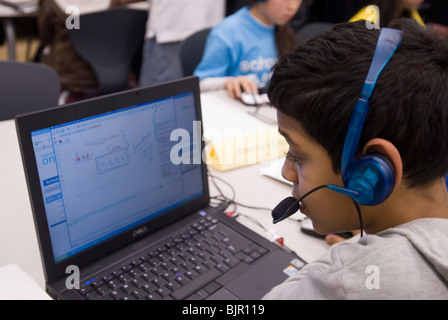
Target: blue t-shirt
x: 239, y: 45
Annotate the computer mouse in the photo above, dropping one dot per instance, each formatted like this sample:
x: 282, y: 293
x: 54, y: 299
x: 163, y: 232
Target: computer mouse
x: 254, y: 99
x: 248, y: 99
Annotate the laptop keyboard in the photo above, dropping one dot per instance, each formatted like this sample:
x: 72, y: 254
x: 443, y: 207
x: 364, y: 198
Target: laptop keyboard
x: 185, y: 267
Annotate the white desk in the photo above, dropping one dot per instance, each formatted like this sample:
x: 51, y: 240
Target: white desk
x: 18, y: 241
x: 250, y: 186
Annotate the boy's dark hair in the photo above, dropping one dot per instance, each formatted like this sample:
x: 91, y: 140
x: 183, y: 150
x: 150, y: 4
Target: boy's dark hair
x: 320, y: 81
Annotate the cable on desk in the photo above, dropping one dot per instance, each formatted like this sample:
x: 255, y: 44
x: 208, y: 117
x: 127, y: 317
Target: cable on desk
x: 223, y: 198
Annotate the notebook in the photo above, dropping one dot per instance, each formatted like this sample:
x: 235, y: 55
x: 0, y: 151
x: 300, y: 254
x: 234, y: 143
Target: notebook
x: 121, y: 203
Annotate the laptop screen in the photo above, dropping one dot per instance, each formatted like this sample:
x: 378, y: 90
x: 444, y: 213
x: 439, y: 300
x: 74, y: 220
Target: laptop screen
x: 105, y: 174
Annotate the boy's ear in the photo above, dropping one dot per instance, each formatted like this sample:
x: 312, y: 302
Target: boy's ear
x: 378, y: 145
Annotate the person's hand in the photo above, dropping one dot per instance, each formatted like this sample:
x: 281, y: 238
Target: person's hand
x: 236, y: 85
x: 332, y: 239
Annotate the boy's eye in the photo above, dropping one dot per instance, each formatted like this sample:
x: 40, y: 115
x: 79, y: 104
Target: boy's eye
x: 292, y: 158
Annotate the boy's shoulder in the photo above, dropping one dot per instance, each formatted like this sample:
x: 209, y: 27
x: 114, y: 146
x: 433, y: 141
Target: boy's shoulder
x: 396, y: 263
x: 426, y: 236
x: 409, y: 261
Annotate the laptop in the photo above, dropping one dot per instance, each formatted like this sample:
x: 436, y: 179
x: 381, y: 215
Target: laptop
x: 122, y: 209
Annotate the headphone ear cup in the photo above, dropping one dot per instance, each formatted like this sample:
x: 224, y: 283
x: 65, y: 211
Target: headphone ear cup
x: 373, y: 177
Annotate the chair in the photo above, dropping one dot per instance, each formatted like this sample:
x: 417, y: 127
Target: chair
x: 312, y: 29
x: 108, y: 40
x: 26, y: 87
x: 191, y: 50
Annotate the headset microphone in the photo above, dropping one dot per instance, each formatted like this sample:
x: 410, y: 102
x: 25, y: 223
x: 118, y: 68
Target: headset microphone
x: 287, y: 207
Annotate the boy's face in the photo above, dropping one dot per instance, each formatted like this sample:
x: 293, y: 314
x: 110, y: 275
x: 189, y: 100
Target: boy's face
x: 307, y: 166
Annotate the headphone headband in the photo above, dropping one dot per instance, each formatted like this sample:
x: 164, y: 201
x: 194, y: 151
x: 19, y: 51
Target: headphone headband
x: 388, y: 42
x: 370, y: 179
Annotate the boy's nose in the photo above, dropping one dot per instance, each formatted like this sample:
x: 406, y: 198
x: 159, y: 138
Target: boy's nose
x: 288, y: 171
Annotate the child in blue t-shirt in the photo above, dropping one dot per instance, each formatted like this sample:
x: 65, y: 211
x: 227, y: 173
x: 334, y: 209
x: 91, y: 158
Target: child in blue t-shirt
x: 242, y: 49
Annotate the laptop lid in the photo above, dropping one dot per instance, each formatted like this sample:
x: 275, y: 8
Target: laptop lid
x: 100, y: 173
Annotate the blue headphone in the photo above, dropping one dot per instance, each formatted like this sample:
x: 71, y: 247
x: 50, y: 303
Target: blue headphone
x: 370, y: 179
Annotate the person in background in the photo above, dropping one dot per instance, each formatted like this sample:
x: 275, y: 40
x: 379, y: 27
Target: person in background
x: 390, y: 10
x: 435, y: 14
x: 169, y: 23
x: 58, y: 52
x: 241, y: 50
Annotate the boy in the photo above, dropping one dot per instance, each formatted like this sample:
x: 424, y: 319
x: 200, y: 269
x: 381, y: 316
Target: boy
x: 404, y: 254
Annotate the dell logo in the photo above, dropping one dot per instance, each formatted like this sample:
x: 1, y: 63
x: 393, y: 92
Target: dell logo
x: 140, y: 231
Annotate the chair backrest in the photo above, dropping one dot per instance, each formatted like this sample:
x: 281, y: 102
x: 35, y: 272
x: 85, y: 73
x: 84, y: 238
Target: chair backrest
x: 191, y: 50
x: 312, y: 29
x: 108, y: 40
x: 26, y: 87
